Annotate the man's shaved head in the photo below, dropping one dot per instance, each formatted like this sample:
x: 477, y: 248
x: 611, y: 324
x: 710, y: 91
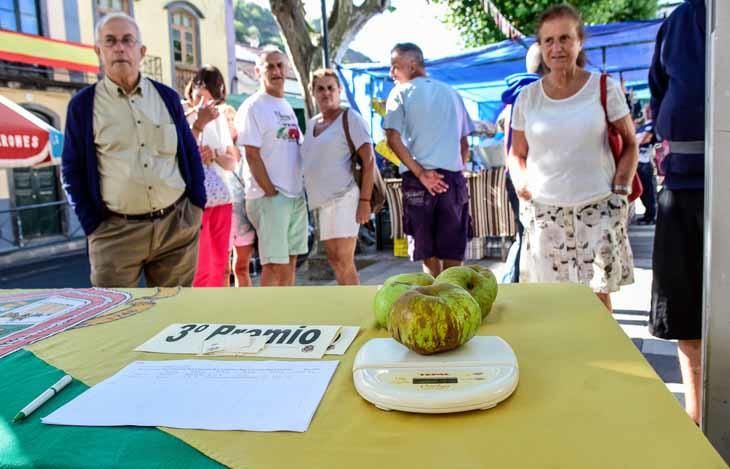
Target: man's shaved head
x: 411, y: 50
x: 406, y: 62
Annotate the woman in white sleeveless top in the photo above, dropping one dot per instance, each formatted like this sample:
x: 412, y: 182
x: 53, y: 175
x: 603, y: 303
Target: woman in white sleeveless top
x: 573, y: 196
x: 331, y: 189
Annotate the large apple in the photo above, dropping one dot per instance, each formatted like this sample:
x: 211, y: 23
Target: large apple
x: 435, y: 318
x: 392, y: 289
x: 477, y: 280
x: 494, y: 288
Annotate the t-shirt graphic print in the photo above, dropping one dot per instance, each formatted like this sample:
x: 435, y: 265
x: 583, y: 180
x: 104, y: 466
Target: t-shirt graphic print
x: 270, y: 124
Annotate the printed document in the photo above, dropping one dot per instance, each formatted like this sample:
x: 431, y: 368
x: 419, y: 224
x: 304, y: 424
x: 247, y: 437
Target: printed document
x: 263, y: 396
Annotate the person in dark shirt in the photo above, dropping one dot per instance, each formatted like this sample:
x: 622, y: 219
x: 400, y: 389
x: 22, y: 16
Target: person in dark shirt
x: 516, y: 83
x: 677, y: 83
x: 647, y: 139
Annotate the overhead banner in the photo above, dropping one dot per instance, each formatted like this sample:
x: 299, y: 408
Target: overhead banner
x: 39, y: 50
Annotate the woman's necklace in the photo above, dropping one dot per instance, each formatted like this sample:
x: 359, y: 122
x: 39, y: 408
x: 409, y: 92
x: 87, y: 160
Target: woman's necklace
x: 557, y: 84
x: 325, y: 121
x: 561, y: 89
x: 328, y: 119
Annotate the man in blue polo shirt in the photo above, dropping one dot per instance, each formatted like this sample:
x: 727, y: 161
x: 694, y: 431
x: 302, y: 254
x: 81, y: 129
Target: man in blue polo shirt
x: 426, y: 126
x: 132, y: 170
x: 677, y: 82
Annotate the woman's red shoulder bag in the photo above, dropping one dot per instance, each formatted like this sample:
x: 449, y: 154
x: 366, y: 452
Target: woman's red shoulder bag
x: 616, y: 142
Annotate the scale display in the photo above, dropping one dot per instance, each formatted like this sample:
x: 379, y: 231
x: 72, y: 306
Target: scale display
x: 435, y: 380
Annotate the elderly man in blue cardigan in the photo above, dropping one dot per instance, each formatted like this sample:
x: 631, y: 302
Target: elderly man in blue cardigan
x: 131, y: 168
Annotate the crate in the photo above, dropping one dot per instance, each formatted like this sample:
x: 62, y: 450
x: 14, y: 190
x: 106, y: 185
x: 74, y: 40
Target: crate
x: 382, y: 230
x: 400, y: 247
x: 476, y: 249
x: 498, y: 247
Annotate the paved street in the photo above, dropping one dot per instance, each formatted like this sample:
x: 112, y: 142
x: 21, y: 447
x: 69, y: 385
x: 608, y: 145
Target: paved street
x: 631, y: 304
x: 631, y: 310
x: 70, y: 271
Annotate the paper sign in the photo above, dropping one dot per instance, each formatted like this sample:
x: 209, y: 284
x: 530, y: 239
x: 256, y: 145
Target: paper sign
x: 342, y: 340
x: 282, y: 341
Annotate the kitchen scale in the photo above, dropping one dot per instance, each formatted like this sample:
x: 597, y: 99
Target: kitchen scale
x: 478, y: 375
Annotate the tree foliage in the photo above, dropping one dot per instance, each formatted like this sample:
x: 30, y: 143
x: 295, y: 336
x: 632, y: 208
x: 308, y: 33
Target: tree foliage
x: 477, y: 28
x: 256, y: 25
x: 304, y: 44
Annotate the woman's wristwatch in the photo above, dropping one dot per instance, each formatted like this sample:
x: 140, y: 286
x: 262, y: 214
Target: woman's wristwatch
x: 621, y: 189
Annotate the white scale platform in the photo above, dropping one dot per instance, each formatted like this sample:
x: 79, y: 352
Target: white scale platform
x: 478, y: 375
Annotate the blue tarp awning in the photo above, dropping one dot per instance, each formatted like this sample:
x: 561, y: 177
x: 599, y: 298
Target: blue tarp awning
x: 479, y: 74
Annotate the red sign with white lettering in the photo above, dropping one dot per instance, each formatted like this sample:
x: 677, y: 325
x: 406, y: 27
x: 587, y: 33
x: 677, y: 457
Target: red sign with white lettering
x: 19, y: 137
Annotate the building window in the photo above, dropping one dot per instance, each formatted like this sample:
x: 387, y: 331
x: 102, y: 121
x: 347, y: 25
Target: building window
x: 110, y: 6
x: 184, y: 23
x: 20, y: 15
x: 184, y: 39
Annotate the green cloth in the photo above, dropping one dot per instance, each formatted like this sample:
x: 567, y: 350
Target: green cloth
x: 29, y: 443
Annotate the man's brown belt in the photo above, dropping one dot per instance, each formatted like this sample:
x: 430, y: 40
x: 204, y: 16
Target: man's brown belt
x: 154, y: 215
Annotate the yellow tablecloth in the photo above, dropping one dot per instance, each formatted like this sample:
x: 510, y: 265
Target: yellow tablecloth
x: 586, y: 398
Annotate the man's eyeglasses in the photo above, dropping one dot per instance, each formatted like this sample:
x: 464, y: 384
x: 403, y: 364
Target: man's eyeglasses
x: 111, y: 42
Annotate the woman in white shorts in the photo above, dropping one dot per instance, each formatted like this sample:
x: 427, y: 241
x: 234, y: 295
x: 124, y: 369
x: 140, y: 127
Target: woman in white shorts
x: 331, y: 188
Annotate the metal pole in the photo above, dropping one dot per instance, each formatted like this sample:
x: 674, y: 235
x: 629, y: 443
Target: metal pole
x: 716, y: 326
x: 19, y: 223
x: 325, y: 34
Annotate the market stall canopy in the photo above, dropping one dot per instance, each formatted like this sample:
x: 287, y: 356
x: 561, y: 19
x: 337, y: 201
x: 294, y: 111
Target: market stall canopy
x: 617, y: 48
x: 39, y: 50
x: 25, y: 139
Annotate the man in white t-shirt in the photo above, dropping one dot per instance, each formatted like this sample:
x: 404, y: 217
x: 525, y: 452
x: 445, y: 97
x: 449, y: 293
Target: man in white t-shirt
x: 426, y: 126
x: 275, y: 202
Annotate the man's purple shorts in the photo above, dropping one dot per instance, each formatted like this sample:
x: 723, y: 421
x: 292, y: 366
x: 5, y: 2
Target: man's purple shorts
x: 438, y: 224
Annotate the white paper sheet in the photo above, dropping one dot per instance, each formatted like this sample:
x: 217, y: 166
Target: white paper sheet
x: 204, y: 394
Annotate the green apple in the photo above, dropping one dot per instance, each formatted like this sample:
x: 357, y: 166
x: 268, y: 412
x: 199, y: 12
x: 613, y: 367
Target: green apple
x: 392, y: 289
x: 435, y: 318
x: 479, y: 281
x: 486, y: 271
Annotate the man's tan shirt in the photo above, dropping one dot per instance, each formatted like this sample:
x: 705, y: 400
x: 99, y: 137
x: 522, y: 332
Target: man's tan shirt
x: 136, y: 145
